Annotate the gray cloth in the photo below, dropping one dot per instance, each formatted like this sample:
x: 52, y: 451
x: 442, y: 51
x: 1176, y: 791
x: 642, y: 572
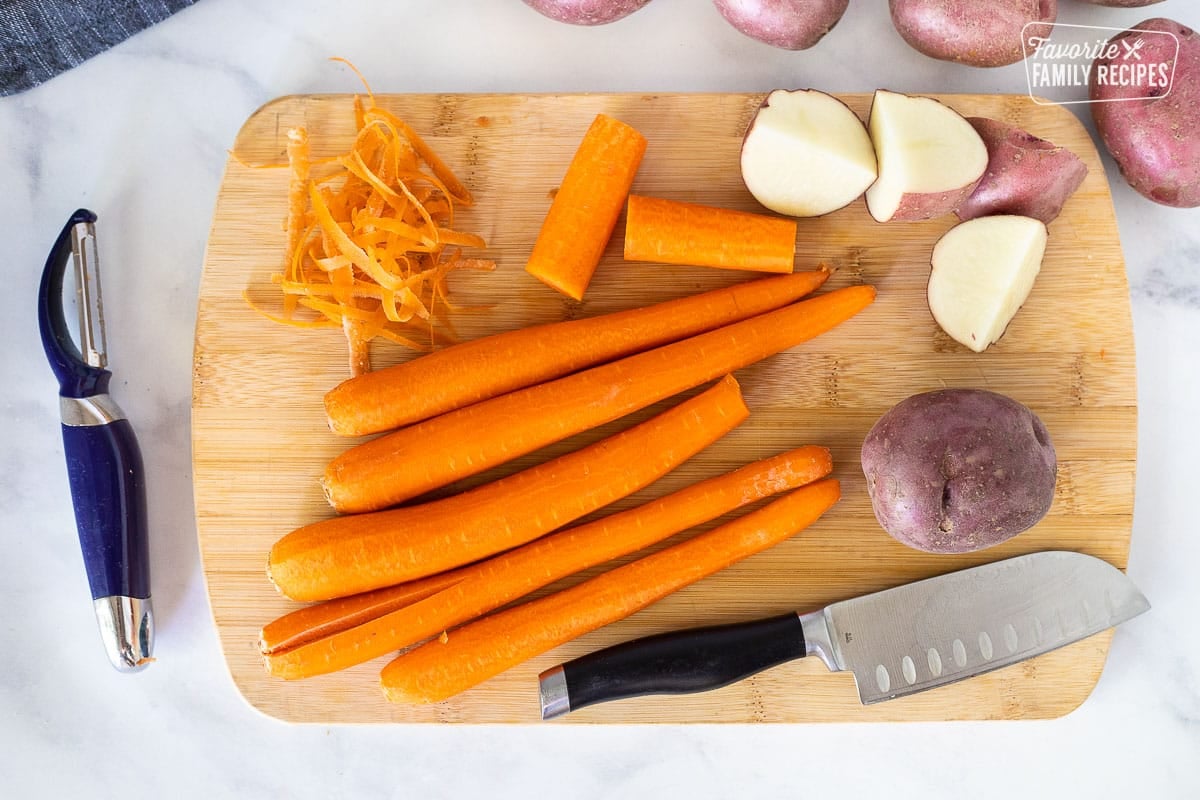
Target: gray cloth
x: 41, y: 38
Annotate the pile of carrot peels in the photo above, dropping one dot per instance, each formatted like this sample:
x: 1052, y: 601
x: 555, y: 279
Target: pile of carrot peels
x: 371, y: 237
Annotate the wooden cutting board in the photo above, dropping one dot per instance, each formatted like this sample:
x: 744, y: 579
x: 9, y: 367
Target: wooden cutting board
x: 260, y: 440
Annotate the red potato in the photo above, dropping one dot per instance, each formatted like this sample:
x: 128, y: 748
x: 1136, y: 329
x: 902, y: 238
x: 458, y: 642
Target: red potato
x: 806, y: 153
x: 788, y: 24
x: 930, y: 158
x: 1025, y: 175
x: 979, y: 33
x: 958, y: 470
x: 982, y: 270
x: 1146, y: 105
x: 586, y: 12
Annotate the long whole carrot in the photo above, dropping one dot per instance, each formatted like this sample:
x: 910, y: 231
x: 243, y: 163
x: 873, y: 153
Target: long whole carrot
x: 480, y: 650
x: 673, y: 232
x: 351, y: 554
x: 305, y: 625
x: 466, y: 373
x: 586, y: 207
x: 433, y: 453
x: 339, y: 634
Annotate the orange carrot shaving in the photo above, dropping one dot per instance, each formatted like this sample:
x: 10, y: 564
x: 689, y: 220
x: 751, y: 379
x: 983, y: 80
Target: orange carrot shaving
x: 479, y: 650
x: 370, y: 237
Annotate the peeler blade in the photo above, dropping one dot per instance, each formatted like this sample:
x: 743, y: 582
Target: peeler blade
x: 86, y: 259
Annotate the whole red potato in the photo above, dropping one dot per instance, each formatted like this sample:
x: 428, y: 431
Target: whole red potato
x: 787, y: 24
x: 1122, y: 3
x: 958, y: 470
x: 1146, y: 103
x: 979, y: 33
x: 586, y: 12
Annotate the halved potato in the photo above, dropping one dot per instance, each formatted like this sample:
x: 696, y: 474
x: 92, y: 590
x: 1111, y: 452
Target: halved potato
x: 983, y: 270
x: 930, y: 158
x: 806, y: 154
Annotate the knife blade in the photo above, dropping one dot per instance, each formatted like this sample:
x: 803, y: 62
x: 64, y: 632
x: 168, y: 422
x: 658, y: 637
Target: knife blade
x: 896, y: 642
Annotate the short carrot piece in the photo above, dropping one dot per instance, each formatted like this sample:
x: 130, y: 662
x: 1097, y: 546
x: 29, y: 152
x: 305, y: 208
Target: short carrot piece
x: 586, y: 207
x: 352, y: 554
x: 409, y: 462
x: 673, y: 232
x: 477, y: 370
x: 480, y: 650
x: 344, y: 635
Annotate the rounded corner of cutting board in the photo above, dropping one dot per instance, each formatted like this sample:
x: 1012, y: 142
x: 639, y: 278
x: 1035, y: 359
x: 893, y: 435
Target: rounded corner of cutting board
x: 1079, y: 691
x: 267, y: 708
x: 251, y: 126
x: 240, y: 364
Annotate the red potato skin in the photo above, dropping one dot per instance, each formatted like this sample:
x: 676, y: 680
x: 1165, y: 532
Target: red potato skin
x: 920, y: 207
x: 979, y: 33
x: 1026, y: 175
x: 958, y: 470
x: 586, y: 12
x: 787, y: 24
x: 1154, y: 139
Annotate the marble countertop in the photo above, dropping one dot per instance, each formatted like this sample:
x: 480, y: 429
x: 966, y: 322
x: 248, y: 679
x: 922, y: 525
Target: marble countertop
x: 140, y: 134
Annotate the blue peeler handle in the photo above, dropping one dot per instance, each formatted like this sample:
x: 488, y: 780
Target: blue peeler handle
x: 108, y: 490
x: 104, y: 464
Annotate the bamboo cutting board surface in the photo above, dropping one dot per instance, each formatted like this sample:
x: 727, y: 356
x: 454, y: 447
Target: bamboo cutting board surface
x: 260, y: 440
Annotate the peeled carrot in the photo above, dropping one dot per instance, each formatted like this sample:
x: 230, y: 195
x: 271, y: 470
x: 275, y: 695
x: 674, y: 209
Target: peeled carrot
x: 477, y: 370
x: 312, y: 623
x: 480, y: 650
x: 414, y: 460
x: 672, y: 232
x: 586, y: 207
x: 347, y: 555
x: 352, y: 630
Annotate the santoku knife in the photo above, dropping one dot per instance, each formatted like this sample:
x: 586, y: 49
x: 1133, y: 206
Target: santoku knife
x: 896, y: 642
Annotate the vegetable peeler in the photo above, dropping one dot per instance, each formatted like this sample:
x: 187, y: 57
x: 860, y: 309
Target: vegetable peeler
x: 104, y: 465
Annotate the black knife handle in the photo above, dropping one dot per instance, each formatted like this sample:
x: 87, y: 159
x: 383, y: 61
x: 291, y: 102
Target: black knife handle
x: 683, y: 662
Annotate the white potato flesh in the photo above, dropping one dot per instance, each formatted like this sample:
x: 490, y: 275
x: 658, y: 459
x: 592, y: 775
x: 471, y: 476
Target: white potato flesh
x: 983, y: 271
x: 929, y: 157
x: 806, y: 154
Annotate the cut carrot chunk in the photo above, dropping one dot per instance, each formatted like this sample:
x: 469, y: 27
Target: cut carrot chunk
x: 671, y: 232
x: 586, y: 207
